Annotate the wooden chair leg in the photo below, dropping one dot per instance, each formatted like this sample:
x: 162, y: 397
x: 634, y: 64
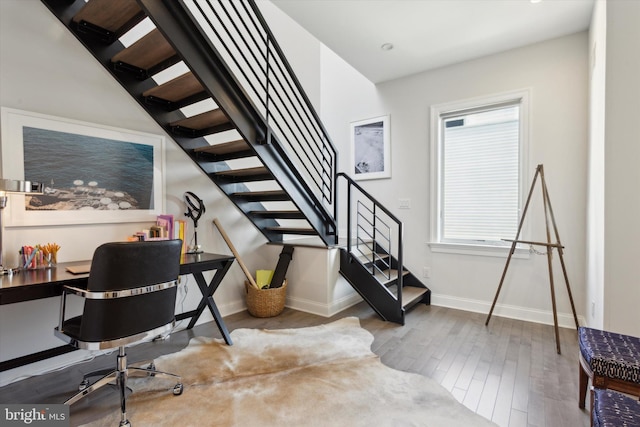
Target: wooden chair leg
x: 583, y: 384
x: 593, y: 398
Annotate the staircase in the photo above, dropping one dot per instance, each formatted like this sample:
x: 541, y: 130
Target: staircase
x: 212, y: 76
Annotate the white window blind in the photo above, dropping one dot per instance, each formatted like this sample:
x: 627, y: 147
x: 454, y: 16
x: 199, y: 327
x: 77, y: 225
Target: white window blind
x: 479, y: 176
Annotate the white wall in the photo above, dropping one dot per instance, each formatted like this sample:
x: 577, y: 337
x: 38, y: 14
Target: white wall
x: 594, y: 291
x: 621, y: 171
x: 556, y: 73
x: 301, y: 49
x: 612, y: 291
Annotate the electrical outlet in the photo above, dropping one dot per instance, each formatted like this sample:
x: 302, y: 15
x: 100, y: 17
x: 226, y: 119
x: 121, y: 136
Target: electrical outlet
x: 426, y: 272
x: 593, y: 309
x: 405, y: 203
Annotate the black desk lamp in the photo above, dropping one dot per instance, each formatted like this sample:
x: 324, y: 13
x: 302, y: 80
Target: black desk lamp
x: 194, y: 212
x: 13, y: 186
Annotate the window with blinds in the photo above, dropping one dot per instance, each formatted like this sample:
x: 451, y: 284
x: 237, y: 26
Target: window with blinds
x: 479, y: 172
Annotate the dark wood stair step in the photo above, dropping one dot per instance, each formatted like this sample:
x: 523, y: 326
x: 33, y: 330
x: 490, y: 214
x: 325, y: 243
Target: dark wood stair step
x: 259, y: 173
x: 282, y: 214
x: 225, y: 151
x: 202, y: 124
x: 148, y: 52
x: 293, y: 230
x: 224, y: 148
x: 114, y: 16
x: 262, y: 196
x: 178, y: 89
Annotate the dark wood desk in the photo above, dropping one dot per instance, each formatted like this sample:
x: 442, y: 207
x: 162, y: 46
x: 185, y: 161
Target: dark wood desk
x: 30, y: 285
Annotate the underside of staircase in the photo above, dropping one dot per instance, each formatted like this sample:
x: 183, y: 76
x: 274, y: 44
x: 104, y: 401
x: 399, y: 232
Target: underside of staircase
x: 237, y: 142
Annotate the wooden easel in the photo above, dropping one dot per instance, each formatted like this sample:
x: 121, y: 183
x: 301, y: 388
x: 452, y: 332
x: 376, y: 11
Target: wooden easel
x: 548, y: 212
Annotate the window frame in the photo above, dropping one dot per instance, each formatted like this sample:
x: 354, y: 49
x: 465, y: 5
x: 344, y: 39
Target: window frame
x: 521, y: 97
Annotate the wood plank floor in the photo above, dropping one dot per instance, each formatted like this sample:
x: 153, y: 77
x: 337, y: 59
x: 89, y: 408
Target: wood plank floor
x: 508, y: 372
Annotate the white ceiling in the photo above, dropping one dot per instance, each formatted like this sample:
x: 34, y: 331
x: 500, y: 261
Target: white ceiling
x: 428, y: 34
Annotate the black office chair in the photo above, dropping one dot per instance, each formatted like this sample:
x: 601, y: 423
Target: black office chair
x: 130, y: 297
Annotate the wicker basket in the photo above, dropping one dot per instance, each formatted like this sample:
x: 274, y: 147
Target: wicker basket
x: 265, y: 302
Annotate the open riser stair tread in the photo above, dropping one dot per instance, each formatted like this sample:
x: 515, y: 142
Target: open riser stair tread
x: 224, y: 151
x: 243, y: 175
x: 292, y: 230
x: 225, y: 148
x: 262, y: 196
x: 177, y: 89
x: 115, y: 16
x: 146, y: 53
x: 203, y: 121
x: 278, y: 214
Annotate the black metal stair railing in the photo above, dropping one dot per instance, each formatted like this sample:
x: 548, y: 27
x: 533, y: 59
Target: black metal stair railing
x: 239, y: 33
x: 374, y: 235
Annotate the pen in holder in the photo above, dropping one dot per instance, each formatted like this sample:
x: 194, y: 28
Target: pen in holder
x: 50, y: 251
x: 39, y: 256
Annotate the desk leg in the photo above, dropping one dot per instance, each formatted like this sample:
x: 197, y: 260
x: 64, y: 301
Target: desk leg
x: 207, y: 300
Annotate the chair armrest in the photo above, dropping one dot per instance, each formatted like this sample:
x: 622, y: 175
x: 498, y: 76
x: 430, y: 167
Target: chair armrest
x: 74, y: 290
x: 63, y: 304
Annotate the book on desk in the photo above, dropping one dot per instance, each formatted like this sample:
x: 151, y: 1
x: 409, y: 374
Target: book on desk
x: 79, y: 269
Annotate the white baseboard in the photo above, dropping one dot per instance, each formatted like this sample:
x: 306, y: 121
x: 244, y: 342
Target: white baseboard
x: 321, y: 309
x: 565, y: 320
x: 230, y: 308
x: 344, y: 303
x: 300, y: 304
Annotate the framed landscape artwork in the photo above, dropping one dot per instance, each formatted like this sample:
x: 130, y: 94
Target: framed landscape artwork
x: 370, y: 149
x: 91, y: 173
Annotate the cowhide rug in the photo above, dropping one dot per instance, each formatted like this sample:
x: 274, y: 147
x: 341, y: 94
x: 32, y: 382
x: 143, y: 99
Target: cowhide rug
x: 318, y: 376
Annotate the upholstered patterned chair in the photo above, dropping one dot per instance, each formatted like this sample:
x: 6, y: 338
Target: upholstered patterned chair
x: 613, y: 409
x: 612, y: 361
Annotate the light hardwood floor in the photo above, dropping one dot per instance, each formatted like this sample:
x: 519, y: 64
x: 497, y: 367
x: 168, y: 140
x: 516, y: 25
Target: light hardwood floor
x: 508, y: 372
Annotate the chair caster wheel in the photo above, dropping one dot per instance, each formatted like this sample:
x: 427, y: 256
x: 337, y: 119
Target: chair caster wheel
x: 152, y: 367
x: 177, y: 389
x: 83, y: 385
